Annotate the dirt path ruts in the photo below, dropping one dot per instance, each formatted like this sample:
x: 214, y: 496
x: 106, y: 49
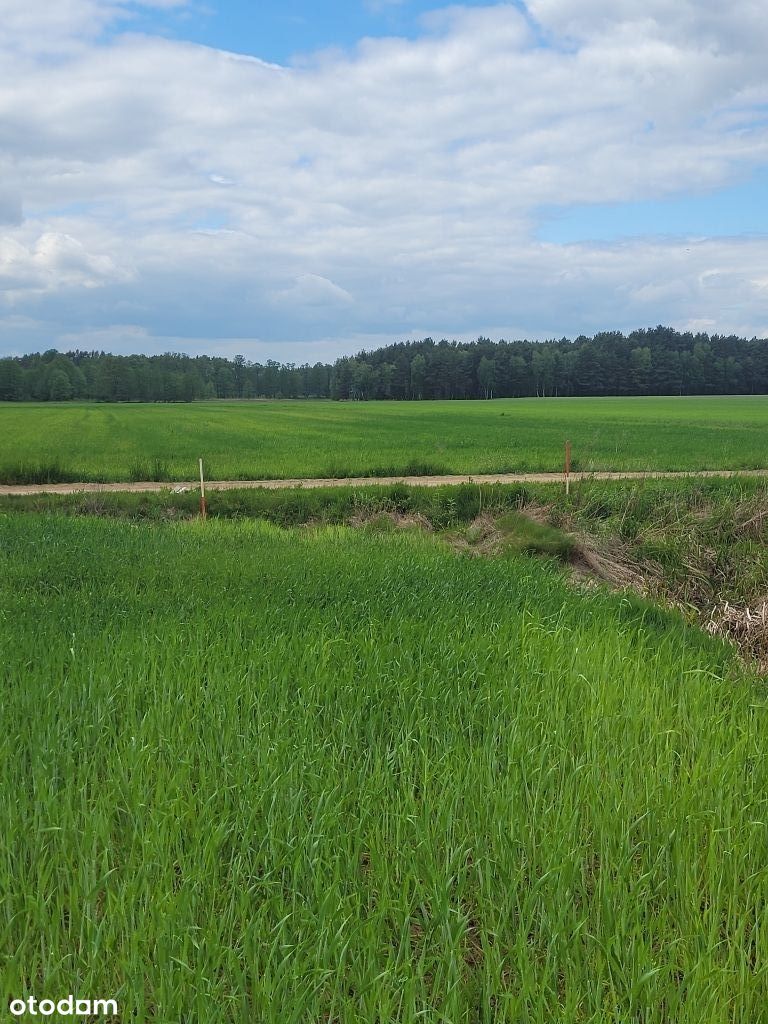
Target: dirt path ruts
x: 362, y: 481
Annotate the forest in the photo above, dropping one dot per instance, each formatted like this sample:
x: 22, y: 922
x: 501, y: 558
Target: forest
x: 657, y: 361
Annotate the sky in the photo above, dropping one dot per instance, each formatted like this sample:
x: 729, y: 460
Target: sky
x: 297, y: 180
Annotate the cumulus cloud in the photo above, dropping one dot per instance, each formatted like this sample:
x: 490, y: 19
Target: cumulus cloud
x: 312, y: 291
x: 181, y: 192
x: 43, y: 27
x: 54, y: 262
x: 738, y: 26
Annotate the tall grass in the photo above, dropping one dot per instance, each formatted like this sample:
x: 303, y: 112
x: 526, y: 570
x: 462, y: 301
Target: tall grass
x: 442, y: 506
x: 39, y: 473
x: 263, y: 775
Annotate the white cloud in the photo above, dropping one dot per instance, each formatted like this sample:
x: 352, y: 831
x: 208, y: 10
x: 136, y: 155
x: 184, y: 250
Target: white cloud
x: 736, y: 26
x: 202, y: 195
x: 58, y: 26
x: 312, y: 291
x: 53, y: 263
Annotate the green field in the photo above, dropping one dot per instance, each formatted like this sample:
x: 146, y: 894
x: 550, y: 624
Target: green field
x: 253, y: 440
x: 255, y: 775
x: 697, y: 542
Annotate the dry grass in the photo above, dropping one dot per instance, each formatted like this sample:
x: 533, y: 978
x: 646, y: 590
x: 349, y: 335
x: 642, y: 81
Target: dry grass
x: 610, y: 562
x: 391, y: 518
x: 541, y: 514
x: 750, y: 517
x: 747, y: 627
x: 481, y: 537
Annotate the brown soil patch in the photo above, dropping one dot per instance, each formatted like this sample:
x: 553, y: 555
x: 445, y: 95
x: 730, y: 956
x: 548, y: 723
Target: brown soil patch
x: 367, y: 481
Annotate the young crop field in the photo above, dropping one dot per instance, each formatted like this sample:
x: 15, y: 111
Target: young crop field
x: 259, y: 440
x: 255, y: 774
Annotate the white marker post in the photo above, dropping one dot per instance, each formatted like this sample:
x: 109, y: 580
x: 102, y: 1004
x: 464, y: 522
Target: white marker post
x: 567, y: 467
x: 203, y: 509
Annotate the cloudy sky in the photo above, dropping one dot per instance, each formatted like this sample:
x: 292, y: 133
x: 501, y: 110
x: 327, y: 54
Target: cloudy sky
x: 294, y: 180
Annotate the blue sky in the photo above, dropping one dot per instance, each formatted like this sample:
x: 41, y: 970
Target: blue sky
x: 281, y: 32
x: 296, y: 181
x: 739, y: 210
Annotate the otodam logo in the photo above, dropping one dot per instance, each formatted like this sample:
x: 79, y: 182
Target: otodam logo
x: 68, y: 1006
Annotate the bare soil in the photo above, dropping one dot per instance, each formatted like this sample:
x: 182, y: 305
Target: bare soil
x: 367, y: 481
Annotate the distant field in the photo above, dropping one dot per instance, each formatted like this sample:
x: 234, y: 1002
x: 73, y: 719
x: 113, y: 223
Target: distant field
x: 252, y: 440
x: 256, y: 775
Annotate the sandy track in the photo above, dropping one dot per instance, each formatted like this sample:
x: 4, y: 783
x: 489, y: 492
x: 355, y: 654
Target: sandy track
x: 367, y: 481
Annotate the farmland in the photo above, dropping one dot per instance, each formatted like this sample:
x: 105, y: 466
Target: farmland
x: 265, y: 774
x: 259, y: 440
x: 372, y: 753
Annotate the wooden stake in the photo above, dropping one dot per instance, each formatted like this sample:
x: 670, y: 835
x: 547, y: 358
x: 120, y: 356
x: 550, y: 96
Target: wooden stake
x: 203, y: 508
x: 567, y: 467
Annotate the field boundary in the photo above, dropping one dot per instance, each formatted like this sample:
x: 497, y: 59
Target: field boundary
x: 372, y: 481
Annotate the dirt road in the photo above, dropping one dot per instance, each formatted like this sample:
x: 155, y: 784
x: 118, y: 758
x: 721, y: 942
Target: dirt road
x: 366, y: 481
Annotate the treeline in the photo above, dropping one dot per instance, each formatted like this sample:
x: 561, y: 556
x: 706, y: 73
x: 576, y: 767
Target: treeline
x: 660, y: 361
x: 59, y: 377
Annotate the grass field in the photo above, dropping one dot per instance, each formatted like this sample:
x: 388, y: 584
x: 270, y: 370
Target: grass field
x: 696, y: 544
x: 252, y: 440
x: 254, y: 774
